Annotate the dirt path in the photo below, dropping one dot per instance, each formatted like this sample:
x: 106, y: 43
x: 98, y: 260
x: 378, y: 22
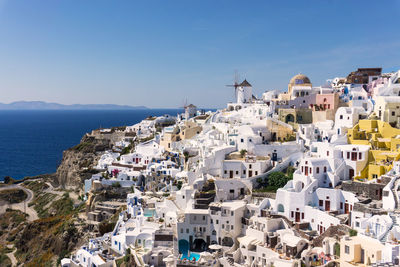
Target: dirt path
x: 22, y: 206
x: 14, y: 261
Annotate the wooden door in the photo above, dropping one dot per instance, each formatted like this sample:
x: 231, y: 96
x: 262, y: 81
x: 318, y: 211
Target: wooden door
x: 327, y: 205
x: 351, y: 174
x: 346, y: 208
x: 297, y: 216
x: 230, y: 174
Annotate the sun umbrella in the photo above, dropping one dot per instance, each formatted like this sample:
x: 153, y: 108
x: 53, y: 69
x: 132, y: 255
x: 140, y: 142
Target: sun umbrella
x: 215, y: 246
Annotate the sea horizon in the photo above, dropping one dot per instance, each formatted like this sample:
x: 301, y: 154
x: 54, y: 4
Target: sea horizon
x: 32, y: 141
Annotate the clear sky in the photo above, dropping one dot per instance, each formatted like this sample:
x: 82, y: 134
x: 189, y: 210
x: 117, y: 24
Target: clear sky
x: 159, y: 53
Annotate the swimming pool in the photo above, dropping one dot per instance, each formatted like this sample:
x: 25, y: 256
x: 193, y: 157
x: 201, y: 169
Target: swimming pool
x: 149, y: 212
x: 192, y: 254
x: 184, y: 250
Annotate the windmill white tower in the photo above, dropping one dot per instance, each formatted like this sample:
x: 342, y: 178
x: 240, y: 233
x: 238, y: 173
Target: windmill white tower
x: 243, y: 91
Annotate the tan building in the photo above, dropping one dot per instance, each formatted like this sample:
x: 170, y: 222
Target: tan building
x: 360, y: 251
x: 188, y: 130
x: 280, y: 131
x: 388, y: 109
x: 295, y: 116
x: 177, y: 133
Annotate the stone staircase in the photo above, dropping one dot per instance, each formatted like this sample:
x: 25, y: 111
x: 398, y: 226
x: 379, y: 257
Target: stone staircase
x: 394, y: 191
x: 395, y: 223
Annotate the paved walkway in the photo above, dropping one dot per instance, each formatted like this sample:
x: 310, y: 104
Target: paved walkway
x: 22, y: 206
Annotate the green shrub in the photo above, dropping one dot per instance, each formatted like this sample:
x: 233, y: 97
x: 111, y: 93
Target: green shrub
x: 352, y: 232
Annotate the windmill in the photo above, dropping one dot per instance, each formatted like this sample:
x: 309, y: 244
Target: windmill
x: 235, y: 82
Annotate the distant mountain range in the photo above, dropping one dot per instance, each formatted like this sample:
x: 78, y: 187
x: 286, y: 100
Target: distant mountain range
x: 41, y: 105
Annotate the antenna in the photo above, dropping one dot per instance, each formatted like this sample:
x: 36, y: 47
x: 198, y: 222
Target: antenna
x: 184, y: 103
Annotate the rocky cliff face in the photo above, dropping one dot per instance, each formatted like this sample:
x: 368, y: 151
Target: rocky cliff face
x: 78, y: 161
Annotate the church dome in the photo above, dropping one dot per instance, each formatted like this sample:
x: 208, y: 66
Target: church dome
x: 299, y: 79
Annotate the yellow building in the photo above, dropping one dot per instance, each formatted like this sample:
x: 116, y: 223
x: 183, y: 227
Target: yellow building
x: 384, y: 141
x: 360, y: 251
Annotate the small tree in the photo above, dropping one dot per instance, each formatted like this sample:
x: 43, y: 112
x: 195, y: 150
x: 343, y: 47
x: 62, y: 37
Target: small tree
x: 336, y: 248
x: 186, y: 155
x: 352, y: 232
x: 179, y: 185
x: 243, y: 152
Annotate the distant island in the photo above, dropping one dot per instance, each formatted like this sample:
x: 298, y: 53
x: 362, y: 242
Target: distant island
x: 41, y: 105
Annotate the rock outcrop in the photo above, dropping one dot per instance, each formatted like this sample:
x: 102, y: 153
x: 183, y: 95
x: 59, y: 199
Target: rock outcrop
x: 78, y: 161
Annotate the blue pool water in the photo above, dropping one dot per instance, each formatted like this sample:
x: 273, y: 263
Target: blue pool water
x: 32, y: 141
x: 184, y: 250
x: 149, y: 212
x: 192, y: 254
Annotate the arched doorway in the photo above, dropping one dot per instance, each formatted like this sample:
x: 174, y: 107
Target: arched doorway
x: 227, y: 241
x: 351, y: 173
x: 281, y: 208
x: 289, y: 118
x: 199, y: 245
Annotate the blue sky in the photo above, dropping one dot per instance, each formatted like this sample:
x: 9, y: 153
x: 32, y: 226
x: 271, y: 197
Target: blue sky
x: 159, y: 53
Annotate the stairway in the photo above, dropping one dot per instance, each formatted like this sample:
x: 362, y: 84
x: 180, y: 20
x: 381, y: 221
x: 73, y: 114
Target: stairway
x: 383, y: 239
x: 394, y: 191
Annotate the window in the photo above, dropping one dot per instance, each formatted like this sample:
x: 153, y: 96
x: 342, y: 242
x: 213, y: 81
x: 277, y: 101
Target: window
x: 393, y: 113
x: 216, y: 222
x: 241, y: 140
x: 348, y: 155
x: 244, y: 171
x: 237, y: 172
x: 187, y: 230
x: 256, y: 172
x: 327, y: 153
x: 181, y: 230
x: 204, y: 218
x: 359, y: 155
x: 225, y: 171
x: 347, y: 249
x: 211, y: 221
x: 324, y: 168
x: 249, y: 166
x: 223, y: 226
x: 341, y: 117
x: 321, y: 203
x: 317, y: 169
x: 292, y: 214
x: 341, y: 205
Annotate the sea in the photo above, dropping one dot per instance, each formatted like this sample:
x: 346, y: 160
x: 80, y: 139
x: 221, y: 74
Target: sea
x: 32, y: 141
